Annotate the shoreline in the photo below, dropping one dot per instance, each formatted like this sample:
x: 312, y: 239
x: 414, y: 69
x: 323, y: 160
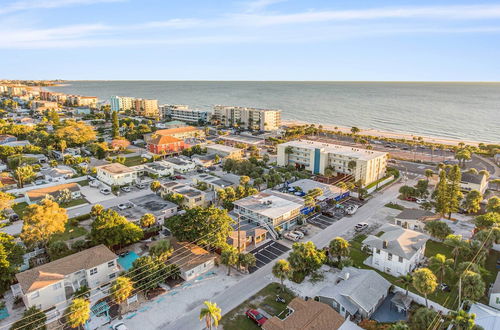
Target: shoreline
x: 386, y: 134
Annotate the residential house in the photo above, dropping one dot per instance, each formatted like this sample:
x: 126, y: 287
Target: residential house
x: 163, y: 144
x: 213, y: 183
x: 116, y: 174
x: 362, y: 164
x: 36, y: 195
x: 330, y: 192
x: 192, y: 197
x: 306, y: 315
x: 4, y: 138
x: 155, y: 169
x: 270, y: 209
x: 191, y: 259
x: 355, y: 292
x: 57, y: 174
x: 397, y: 251
x: 471, y: 181
x: 251, y: 234
x: 487, y: 318
x: 206, y: 160
x: 225, y: 152
x: 152, y: 204
x: 47, y: 285
x: 495, y: 293
x: 180, y: 165
x: 414, y: 219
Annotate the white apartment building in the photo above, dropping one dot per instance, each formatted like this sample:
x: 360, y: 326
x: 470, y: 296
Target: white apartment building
x: 183, y: 113
x: 397, y: 251
x: 192, y: 197
x: 122, y: 103
x: 116, y: 174
x: 47, y: 285
x: 316, y: 157
x: 270, y: 209
x: 248, y: 118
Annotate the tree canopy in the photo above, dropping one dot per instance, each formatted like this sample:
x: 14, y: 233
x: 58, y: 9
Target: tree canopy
x: 75, y: 133
x: 111, y: 229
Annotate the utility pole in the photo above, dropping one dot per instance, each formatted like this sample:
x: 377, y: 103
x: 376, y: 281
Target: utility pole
x: 459, y: 291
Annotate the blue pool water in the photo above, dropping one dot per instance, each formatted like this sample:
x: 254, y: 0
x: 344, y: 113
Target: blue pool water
x: 3, y: 313
x: 126, y: 261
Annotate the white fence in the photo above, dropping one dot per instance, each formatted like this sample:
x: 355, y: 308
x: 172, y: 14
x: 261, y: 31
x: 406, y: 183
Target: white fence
x: 380, y: 184
x: 421, y: 300
x: 17, y: 191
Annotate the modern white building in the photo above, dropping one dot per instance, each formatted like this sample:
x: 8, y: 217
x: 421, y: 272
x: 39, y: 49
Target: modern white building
x: 116, y: 174
x: 270, y: 209
x: 179, y: 165
x: 47, y: 285
x: 183, y: 113
x: 248, y: 118
x: 495, y: 293
x: 397, y: 251
x: 362, y: 164
x: 192, y: 197
x: 122, y: 103
x: 224, y: 151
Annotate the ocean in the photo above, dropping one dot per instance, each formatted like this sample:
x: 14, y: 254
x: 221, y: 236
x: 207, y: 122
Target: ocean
x: 469, y: 111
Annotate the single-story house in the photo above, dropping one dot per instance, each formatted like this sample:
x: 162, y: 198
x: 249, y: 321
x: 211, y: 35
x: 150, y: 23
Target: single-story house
x: 213, y: 183
x: 4, y: 138
x: 191, y: 259
x: 495, y: 293
x: 152, y: 204
x: 36, y: 195
x: 355, y: 292
x: 414, y: 219
x: 206, y: 160
x: 179, y: 165
x: 306, y: 315
x: 192, y: 197
x: 486, y: 316
x: 57, y: 174
x: 224, y: 151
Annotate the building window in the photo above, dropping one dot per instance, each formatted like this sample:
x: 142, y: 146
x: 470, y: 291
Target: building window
x: 93, y: 271
x: 389, y: 256
x: 111, y: 276
x: 57, y: 286
x: 35, y: 295
x: 401, y: 259
x: 111, y: 263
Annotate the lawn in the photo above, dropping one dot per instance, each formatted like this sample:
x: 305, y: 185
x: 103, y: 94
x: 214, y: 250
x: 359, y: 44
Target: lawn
x: 133, y: 161
x: 74, y: 202
x: 83, y: 183
x: 264, y: 299
x: 72, y: 231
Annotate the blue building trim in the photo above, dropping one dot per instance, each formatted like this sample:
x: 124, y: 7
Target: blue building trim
x: 317, y: 157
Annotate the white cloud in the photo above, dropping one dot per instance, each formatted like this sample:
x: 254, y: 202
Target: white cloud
x: 259, y: 5
x: 46, y: 4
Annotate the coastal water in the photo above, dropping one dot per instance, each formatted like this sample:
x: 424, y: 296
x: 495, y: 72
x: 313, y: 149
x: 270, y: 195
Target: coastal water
x: 469, y: 111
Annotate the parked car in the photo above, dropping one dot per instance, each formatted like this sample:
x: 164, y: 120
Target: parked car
x: 125, y: 189
x: 179, y: 177
x: 361, y: 226
x: 291, y: 237
x: 303, y: 230
x: 421, y: 200
x: 123, y: 206
x: 351, y: 209
x: 256, y: 316
x: 119, y: 326
x: 13, y: 217
x: 140, y: 185
x: 94, y: 183
x: 105, y: 191
x: 298, y: 233
x: 411, y: 199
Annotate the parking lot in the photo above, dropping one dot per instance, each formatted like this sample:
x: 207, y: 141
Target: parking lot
x: 323, y: 221
x: 266, y: 253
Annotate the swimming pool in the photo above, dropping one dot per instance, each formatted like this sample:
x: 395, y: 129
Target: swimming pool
x: 126, y: 261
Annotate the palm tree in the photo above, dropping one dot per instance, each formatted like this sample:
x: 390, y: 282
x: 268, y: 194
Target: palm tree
x: 339, y: 248
x: 282, y: 270
x: 456, y: 242
x: 439, y: 264
x: 428, y: 174
x: 229, y: 257
x: 462, y: 320
x: 24, y: 174
x: 424, y: 281
x: 155, y: 186
x: 406, y: 281
x: 211, y: 313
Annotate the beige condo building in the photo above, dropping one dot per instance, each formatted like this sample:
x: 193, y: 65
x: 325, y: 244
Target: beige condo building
x: 248, y: 118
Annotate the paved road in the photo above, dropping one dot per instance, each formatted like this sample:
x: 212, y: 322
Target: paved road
x: 254, y: 282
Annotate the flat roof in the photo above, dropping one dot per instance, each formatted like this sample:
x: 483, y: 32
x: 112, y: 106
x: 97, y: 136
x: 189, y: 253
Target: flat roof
x: 222, y: 147
x: 151, y: 203
x: 242, y: 139
x: 115, y: 168
x: 347, y: 151
x: 270, y: 203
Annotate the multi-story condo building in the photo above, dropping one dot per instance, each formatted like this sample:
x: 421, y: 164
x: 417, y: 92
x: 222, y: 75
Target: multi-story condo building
x: 122, y: 103
x: 270, y: 209
x: 47, y: 285
x: 79, y: 101
x: 365, y: 165
x: 248, y: 118
x: 116, y: 174
x: 183, y: 113
x: 397, y: 251
x: 147, y: 108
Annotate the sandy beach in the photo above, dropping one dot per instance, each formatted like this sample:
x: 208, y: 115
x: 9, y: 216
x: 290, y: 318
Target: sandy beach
x: 394, y: 135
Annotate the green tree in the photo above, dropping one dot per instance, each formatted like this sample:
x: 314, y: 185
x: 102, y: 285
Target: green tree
x: 247, y: 260
x: 41, y: 221
x: 406, y: 281
x: 161, y: 249
x: 32, y: 319
x: 207, y: 226
x: 75, y: 132
x: 339, y: 248
x: 211, y: 314
x: 442, y: 194
x: 24, y: 174
x: 407, y: 191
x: 305, y: 258
x: 438, y: 229
x: 488, y: 236
x: 493, y: 204
x: 57, y: 250
x: 423, y: 318
x: 112, y: 229
x: 11, y: 258
x: 462, y: 156
x: 148, y: 272
x: 78, y: 313
x: 121, y: 289
x: 5, y: 201
x: 488, y: 220
x: 355, y: 130
x: 454, y: 190
x: 282, y: 270
x: 473, y: 286
x: 229, y: 257
x: 462, y: 320
x: 424, y: 281
x: 440, y: 265
x: 147, y: 220
x: 421, y: 188
x: 472, y: 202
x: 428, y: 174
x: 400, y: 325
x: 116, y: 125
x: 458, y: 245
x: 244, y: 180
x: 96, y: 210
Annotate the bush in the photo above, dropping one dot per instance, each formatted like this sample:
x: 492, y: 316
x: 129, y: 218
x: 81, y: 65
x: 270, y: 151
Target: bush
x: 298, y: 277
x: 79, y: 245
x: 81, y: 217
x: 57, y: 250
x: 394, y: 206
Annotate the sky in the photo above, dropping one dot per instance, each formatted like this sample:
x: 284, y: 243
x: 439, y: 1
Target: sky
x: 370, y: 40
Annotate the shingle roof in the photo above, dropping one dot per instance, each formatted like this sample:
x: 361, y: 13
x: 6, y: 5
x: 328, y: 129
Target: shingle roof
x: 177, y: 130
x: 472, y: 178
x: 42, y: 192
x: 42, y: 276
x: 159, y: 139
x: 401, y: 242
x: 307, y: 315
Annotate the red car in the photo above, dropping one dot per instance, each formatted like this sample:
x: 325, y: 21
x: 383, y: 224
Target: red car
x: 256, y: 316
x: 179, y: 177
x: 411, y: 199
